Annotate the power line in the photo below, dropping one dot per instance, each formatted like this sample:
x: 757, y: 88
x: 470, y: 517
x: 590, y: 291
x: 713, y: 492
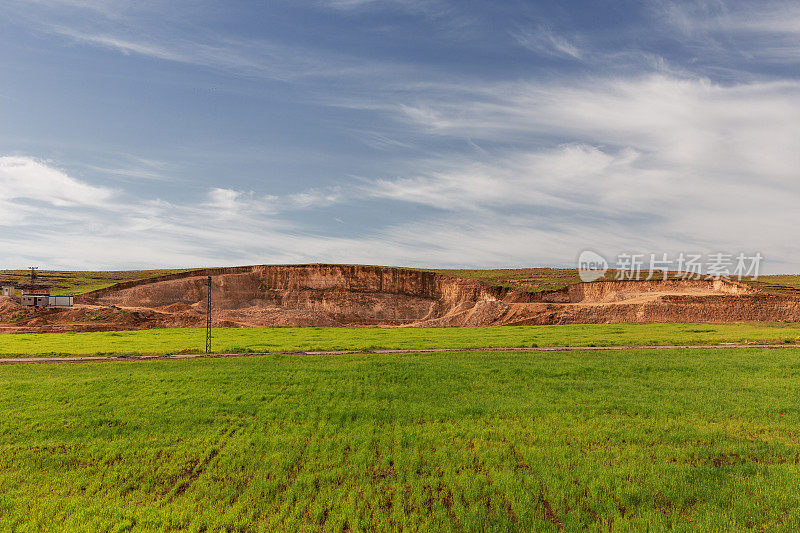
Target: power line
x: 208, y: 318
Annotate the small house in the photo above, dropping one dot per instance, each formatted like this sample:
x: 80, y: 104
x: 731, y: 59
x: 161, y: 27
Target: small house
x: 8, y: 290
x: 35, y: 300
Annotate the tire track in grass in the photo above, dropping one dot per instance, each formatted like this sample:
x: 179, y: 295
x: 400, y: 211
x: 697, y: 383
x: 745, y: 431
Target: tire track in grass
x: 520, y: 464
x: 295, y: 467
x: 550, y: 513
x: 199, y: 467
x: 480, y: 466
x: 289, y: 479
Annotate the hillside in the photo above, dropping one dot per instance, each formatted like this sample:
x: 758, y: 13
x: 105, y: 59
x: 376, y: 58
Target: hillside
x: 356, y: 295
x: 533, y: 279
x: 71, y: 282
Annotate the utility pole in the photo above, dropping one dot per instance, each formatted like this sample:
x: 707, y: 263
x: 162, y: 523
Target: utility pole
x: 208, y: 318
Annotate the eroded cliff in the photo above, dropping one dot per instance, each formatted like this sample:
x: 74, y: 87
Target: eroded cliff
x: 356, y: 295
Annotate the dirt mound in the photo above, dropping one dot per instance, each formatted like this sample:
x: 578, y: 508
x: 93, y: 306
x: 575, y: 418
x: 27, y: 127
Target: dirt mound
x: 178, y: 308
x: 91, y: 318
x: 12, y: 312
x: 9, y: 305
x: 354, y: 295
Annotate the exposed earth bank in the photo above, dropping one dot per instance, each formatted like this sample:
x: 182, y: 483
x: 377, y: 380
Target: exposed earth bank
x: 354, y: 295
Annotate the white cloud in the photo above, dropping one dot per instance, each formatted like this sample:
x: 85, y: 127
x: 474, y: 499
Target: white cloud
x: 315, y: 198
x: 227, y: 199
x: 681, y: 123
x: 652, y: 164
x: 528, y: 208
x: 51, y: 218
x: 230, y: 204
x: 30, y: 179
x: 676, y: 164
x: 568, y: 177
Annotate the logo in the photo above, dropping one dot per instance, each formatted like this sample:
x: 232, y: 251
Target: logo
x: 591, y: 266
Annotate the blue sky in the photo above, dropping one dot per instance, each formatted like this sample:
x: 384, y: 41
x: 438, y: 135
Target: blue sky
x: 440, y: 133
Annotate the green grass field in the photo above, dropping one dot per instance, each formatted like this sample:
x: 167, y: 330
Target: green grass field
x: 238, y: 340
x: 700, y: 440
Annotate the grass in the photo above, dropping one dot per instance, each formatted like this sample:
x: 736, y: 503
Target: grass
x: 67, y: 283
x: 237, y: 340
x: 678, y: 440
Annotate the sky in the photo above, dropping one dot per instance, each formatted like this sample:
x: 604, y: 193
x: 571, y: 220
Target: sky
x: 442, y: 133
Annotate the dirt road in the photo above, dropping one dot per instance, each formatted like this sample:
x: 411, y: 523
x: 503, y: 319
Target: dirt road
x: 104, y: 358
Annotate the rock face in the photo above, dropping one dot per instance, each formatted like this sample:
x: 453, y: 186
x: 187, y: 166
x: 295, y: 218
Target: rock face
x: 354, y: 295
x: 305, y: 294
x: 616, y: 291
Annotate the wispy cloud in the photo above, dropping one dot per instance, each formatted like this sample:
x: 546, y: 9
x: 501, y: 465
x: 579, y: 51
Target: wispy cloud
x: 428, y: 8
x: 105, y: 7
x: 379, y: 141
x: 767, y: 31
x: 348, y: 4
x: 251, y: 58
x: 130, y: 173
x: 762, y: 16
x: 544, y: 41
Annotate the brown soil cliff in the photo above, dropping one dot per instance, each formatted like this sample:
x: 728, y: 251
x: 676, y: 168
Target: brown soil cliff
x: 355, y: 295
